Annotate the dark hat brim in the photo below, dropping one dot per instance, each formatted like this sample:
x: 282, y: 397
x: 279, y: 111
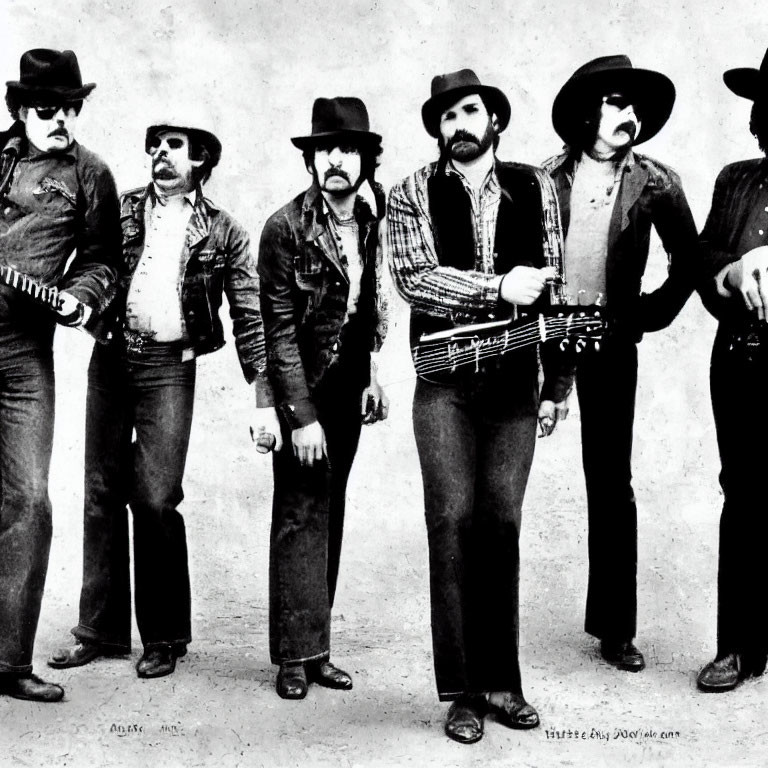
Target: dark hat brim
x: 652, y: 92
x: 362, y: 137
x: 213, y: 145
x: 72, y: 94
x: 436, y: 105
x: 744, y: 82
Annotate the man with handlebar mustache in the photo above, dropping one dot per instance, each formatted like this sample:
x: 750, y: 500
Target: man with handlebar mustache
x: 609, y: 197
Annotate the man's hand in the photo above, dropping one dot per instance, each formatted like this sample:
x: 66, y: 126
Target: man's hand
x: 309, y: 443
x: 549, y: 414
x: 523, y: 285
x: 374, y: 404
x: 749, y: 277
x: 71, y: 310
x: 266, y: 425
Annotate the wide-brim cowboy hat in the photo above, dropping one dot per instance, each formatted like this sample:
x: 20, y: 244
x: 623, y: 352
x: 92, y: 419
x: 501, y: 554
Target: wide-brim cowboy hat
x: 652, y: 94
x: 748, y: 82
x: 449, y: 88
x: 45, y: 74
x: 192, y: 129
x: 343, y: 117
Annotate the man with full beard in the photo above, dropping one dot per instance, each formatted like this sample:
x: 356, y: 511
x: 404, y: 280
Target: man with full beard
x: 467, y: 241
x: 609, y: 197
x: 180, y: 254
x: 320, y: 267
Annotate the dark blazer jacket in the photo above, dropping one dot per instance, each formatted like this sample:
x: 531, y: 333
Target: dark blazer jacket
x: 650, y: 194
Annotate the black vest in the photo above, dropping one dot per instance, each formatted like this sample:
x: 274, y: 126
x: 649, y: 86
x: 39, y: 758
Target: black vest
x: 518, y: 241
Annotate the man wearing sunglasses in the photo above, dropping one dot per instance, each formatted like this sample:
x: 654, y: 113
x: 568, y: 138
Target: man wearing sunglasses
x: 180, y: 254
x: 609, y: 198
x: 56, y: 197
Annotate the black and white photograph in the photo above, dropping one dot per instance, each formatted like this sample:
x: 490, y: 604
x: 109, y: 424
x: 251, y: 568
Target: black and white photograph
x: 379, y: 384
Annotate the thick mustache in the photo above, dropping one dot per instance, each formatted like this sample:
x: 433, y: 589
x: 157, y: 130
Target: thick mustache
x: 463, y: 136
x: 59, y: 132
x: 629, y: 126
x: 336, y: 172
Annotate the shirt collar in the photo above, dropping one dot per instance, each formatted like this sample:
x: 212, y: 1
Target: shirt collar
x: 190, y: 197
x: 490, y: 182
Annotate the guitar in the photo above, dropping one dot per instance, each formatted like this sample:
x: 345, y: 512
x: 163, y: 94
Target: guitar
x: 468, y: 345
x: 41, y: 294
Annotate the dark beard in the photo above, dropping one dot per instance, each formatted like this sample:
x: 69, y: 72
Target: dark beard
x: 470, y: 146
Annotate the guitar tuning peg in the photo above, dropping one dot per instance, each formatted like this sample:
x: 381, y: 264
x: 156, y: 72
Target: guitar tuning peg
x: 597, y: 346
x: 564, y: 344
x: 580, y: 344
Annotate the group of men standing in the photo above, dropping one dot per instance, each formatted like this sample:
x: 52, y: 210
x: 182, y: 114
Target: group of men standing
x: 471, y: 240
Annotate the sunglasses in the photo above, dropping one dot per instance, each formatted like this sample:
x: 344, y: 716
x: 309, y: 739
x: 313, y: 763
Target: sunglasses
x: 618, y: 100
x: 47, y: 111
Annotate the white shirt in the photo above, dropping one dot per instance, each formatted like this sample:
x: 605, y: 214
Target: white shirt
x: 154, y: 297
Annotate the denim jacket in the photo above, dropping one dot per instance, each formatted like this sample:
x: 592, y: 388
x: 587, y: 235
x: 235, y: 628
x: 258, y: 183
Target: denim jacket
x: 54, y: 203
x: 304, y: 289
x: 218, y: 260
x: 650, y: 193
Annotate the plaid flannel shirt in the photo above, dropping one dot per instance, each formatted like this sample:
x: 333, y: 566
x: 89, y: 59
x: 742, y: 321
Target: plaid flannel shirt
x: 417, y: 274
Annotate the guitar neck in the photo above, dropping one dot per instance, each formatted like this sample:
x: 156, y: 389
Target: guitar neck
x: 40, y: 293
x: 471, y: 344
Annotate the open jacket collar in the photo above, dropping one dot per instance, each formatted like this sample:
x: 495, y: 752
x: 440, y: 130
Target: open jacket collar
x: 316, y: 230
x: 198, y: 228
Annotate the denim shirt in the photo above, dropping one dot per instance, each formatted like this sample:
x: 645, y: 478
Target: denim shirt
x: 57, y: 203
x: 218, y: 260
x: 304, y: 290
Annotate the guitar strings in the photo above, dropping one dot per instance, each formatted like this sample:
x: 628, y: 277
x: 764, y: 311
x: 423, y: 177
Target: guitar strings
x: 436, y: 360
x: 509, y: 339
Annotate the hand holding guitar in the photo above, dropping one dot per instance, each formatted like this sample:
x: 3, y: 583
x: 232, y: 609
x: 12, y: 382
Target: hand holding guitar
x: 523, y: 285
x: 71, y: 311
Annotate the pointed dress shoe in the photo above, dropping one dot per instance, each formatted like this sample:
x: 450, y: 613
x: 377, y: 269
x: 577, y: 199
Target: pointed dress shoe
x: 464, y: 723
x: 30, y: 688
x: 329, y: 676
x: 291, y: 681
x: 721, y: 675
x: 622, y: 654
x: 512, y: 710
x: 160, y: 660
x: 76, y: 655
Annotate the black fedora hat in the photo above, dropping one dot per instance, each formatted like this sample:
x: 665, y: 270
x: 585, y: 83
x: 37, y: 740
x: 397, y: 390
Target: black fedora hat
x: 449, y: 88
x: 45, y: 73
x: 343, y: 117
x: 748, y: 82
x: 653, y: 95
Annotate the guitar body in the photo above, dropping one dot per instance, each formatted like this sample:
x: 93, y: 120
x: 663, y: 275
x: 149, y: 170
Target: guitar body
x: 445, y: 354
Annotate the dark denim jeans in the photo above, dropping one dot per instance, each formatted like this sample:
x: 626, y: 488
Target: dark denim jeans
x: 26, y: 436
x: 737, y: 387
x: 606, y: 382
x: 156, y: 402
x: 475, y: 444
x: 307, y: 526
